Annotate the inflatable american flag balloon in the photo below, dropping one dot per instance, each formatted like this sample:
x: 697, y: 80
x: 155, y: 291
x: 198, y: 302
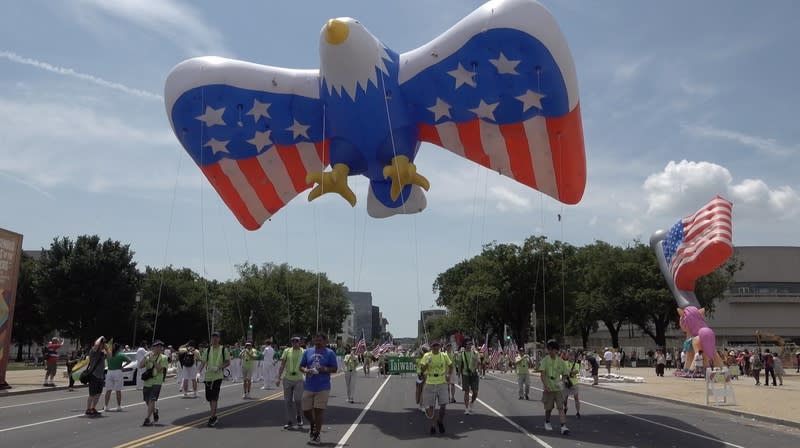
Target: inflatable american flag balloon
x: 498, y: 88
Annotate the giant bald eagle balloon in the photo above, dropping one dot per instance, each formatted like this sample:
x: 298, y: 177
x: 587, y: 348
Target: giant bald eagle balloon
x: 499, y: 88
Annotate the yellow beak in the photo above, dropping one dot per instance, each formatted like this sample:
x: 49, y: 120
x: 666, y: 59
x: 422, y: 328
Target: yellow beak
x: 336, y: 31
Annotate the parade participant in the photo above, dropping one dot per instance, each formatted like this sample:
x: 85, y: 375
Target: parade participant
x: 420, y: 378
x: 571, y: 381
x: 72, y: 360
x: 236, y: 362
x: 51, y: 361
x: 292, y: 384
x: 367, y: 362
x: 552, y: 369
x: 437, y: 368
x: 591, y: 358
x: 266, y: 364
x: 451, y: 382
x: 188, y: 358
x: 523, y: 364
x: 470, y: 379
x: 350, y: 364
x: 114, y: 379
x: 214, y: 359
x: 248, y: 357
x: 317, y: 364
x: 96, y: 374
x: 155, y: 365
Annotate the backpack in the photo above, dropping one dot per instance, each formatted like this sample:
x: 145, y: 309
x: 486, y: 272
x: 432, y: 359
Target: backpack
x: 186, y: 359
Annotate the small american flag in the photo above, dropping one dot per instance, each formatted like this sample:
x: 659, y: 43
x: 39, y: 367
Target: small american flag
x: 496, y: 356
x: 361, y: 346
x: 700, y: 243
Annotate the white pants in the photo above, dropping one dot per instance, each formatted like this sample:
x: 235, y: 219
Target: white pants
x: 236, y: 369
x: 350, y: 379
x: 268, y: 373
x: 524, y: 382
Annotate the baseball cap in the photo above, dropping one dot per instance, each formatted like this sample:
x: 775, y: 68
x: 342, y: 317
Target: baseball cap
x: 436, y: 343
x: 215, y: 334
x: 248, y: 343
x: 157, y: 343
x: 296, y: 339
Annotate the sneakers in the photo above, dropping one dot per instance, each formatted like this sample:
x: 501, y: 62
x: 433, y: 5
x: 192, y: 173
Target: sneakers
x: 440, y: 425
x: 244, y: 396
x: 155, y: 415
x: 564, y: 430
x: 520, y: 397
x: 119, y: 409
x: 548, y: 426
x: 578, y: 414
x: 147, y: 422
x: 315, y: 440
x: 212, y: 422
x: 186, y: 395
x: 288, y: 426
x: 299, y: 422
x: 527, y: 398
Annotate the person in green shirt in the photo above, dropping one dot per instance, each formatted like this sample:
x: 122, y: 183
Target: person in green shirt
x: 420, y: 377
x: 437, y: 368
x: 574, y: 367
x: 114, y: 379
x: 214, y: 359
x: 553, y: 369
x: 470, y: 379
x: 523, y: 365
x: 289, y: 370
x: 248, y: 356
x: 156, y: 363
x: 350, y: 365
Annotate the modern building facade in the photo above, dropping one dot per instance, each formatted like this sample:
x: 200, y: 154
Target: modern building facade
x: 362, y: 313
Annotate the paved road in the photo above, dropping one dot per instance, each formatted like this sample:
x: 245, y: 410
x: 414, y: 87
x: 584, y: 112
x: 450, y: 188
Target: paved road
x: 610, y: 419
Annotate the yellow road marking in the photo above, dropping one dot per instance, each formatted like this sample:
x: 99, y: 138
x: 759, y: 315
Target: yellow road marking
x: 178, y: 429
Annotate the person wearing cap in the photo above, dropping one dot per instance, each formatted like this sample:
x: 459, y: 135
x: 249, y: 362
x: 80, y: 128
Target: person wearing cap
x: 470, y: 377
x: 553, y: 369
x: 215, y: 358
x: 317, y: 364
x: 421, y: 377
x: 523, y: 365
x: 157, y: 363
x: 437, y: 368
x: 350, y: 364
x: 289, y: 371
x: 248, y: 356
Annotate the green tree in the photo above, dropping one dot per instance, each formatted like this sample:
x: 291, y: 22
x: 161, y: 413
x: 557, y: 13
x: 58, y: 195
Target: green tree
x: 30, y: 321
x: 173, y: 307
x: 88, y: 287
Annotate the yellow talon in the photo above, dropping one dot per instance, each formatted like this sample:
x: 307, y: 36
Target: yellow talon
x: 403, y: 172
x: 334, y: 181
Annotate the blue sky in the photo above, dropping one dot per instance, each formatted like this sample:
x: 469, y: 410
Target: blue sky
x: 681, y: 100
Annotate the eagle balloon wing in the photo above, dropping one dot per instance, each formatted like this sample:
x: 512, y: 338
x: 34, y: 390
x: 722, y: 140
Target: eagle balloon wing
x: 254, y: 130
x: 499, y: 88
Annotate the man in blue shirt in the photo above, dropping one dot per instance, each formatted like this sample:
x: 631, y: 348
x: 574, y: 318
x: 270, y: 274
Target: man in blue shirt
x: 317, y: 364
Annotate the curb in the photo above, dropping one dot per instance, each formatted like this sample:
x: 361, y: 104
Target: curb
x: 722, y: 410
x: 11, y: 392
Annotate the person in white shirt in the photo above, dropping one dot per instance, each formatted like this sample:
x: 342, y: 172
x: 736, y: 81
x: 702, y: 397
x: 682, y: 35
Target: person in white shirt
x: 141, y: 352
x: 266, y: 366
x: 608, y: 357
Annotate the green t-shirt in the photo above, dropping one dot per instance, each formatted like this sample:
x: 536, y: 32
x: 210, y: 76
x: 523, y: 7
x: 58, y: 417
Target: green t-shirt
x: 291, y: 370
x: 249, y: 357
x: 214, y: 359
x: 552, y: 369
x: 469, y: 361
x: 117, y: 361
x: 523, y: 366
x: 236, y: 353
x: 437, y: 367
x: 159, y: 372
x: 350, y: 362
x: 278, y: 355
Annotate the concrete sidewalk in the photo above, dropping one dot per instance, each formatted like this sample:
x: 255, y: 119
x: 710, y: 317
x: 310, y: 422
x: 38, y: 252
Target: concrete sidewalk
x: 779, y: 404
x: 30, y: 381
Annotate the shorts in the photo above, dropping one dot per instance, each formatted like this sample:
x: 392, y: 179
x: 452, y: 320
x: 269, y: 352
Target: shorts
x: 247, y: 372
x: 315, y: 400
x: 432, y: 393
x: 470, y: 382
x: 212, y: 390
x: 50, y: 368
x: 551, y: 399
x: 189, y: 373
x: 151, y: 393
x: 95, y: 385
x: 567, y: 391
x: 114, y: 380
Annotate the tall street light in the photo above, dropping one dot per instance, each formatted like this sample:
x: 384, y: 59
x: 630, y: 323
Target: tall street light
x: 136, y: 318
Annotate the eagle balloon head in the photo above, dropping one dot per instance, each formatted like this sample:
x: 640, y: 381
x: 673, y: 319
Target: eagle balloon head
x: 350, y: 57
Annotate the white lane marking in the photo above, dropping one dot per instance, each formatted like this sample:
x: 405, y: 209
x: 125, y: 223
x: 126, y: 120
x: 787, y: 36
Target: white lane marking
x: 643, y: 419
x: 82, y: 415
x: 353, y: 427
x: 512, y: 423
x: 74, y: 397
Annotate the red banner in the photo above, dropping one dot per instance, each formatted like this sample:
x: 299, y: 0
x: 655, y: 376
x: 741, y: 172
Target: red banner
x: 10, y: 254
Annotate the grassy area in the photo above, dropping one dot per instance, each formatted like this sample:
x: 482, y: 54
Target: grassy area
x: 22, y: 366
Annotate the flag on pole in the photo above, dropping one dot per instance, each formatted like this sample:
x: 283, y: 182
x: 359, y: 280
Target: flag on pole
x: 361, y: 346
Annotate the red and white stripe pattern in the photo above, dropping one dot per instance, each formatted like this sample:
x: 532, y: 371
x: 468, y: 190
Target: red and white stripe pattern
x: 543, y: 153
x: 361, y: 346
x: 257, y: 187
x: 706, y: 243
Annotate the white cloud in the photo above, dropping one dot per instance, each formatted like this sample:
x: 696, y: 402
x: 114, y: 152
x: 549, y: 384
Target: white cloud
x: 172, y: 19
x: 63, y: 71
x: 765, y: 145
x: 506, y: 200
x: 684, y: 186
x: 630, y: 69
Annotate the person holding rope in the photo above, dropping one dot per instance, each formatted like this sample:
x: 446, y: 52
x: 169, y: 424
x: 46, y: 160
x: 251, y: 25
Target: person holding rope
x: 571, y: 381
x: 437, y: 368
x: 470, y: 379
x: 523, y: 365
x: 95, y: 374
x: 215, y: 359
x: 553, y: 368
x: 248, y: 357
x: 155, y: 365
x: 350, y: 364
x: 317, y: 364
x: 289, y: 371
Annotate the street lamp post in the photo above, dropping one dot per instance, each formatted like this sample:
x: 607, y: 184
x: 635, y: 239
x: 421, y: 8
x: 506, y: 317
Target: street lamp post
x: 136, y: 317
